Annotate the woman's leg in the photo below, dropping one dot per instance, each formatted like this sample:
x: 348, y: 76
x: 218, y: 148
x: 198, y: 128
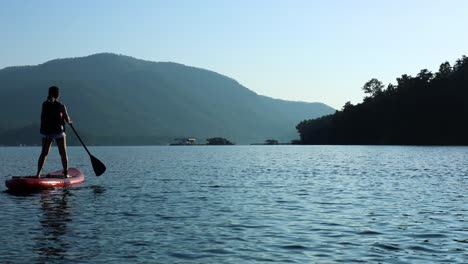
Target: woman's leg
x: 62, y: 147
x: 46, y: 143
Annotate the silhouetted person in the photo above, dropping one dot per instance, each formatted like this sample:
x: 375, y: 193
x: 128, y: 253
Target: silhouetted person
x: 53, y: 117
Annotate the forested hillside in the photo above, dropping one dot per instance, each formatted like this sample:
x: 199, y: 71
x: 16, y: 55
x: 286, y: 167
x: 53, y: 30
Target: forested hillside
x: 428, y: 109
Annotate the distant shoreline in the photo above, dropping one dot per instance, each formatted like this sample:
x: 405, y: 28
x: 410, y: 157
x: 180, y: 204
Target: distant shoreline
x: 243, y: 145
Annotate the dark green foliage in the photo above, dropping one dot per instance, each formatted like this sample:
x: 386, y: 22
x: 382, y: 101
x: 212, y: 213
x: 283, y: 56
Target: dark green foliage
x: 429, y: 109
x: 120, y: 100
x: 218, y: 141
x: 296, y: 142
x: 271, y: 142
x: 373, y: 87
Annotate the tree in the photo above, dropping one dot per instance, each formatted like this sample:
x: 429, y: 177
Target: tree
x: 347, y: 106
x: 296, y: 142
x: 444, y: 70
x: 460, y: 63
x: 271, y: 142
x: 373, y: 87
x: 425, y: 75
x: 218, y: 141
x: 404, y: 81
x: 391, y: 88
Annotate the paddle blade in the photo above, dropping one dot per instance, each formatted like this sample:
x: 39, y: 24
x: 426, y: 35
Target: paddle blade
x: 98, y: 167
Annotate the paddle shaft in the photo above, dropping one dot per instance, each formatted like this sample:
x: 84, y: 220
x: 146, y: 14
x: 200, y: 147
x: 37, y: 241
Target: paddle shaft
x: 98, y: 167
x: 79, y: 138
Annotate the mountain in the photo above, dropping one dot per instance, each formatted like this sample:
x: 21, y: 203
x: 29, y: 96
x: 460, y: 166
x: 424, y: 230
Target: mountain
x: 116, y: 99
x: 428, y: 109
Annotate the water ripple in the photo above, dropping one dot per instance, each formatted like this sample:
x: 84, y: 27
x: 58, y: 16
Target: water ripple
x: 244, y: 204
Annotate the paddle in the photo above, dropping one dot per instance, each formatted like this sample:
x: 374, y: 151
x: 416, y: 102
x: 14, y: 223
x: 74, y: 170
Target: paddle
x: 98, y: 167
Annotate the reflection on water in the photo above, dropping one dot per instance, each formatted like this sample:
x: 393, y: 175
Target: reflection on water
x: 51, y: 242
x: 49, y: 226
x: 98, y: 190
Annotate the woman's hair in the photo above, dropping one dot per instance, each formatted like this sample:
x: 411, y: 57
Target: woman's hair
x: 54, y: 92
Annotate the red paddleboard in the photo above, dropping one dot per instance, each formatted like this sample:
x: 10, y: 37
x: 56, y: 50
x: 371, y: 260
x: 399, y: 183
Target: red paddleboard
x: 48, y: 181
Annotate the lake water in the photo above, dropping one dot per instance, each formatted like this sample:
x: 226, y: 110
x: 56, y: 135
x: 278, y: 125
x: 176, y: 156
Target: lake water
x: 242, y: 204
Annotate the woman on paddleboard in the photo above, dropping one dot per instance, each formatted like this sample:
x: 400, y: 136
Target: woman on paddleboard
x: 53, y: 117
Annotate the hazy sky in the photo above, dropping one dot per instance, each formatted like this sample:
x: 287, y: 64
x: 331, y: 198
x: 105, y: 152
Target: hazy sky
x: 297, y: 50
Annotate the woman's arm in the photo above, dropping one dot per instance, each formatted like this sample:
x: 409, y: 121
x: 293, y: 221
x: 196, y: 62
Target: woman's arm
x: 66, y: 117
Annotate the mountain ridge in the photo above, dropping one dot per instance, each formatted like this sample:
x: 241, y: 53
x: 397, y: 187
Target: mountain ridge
x: 106, y: 94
